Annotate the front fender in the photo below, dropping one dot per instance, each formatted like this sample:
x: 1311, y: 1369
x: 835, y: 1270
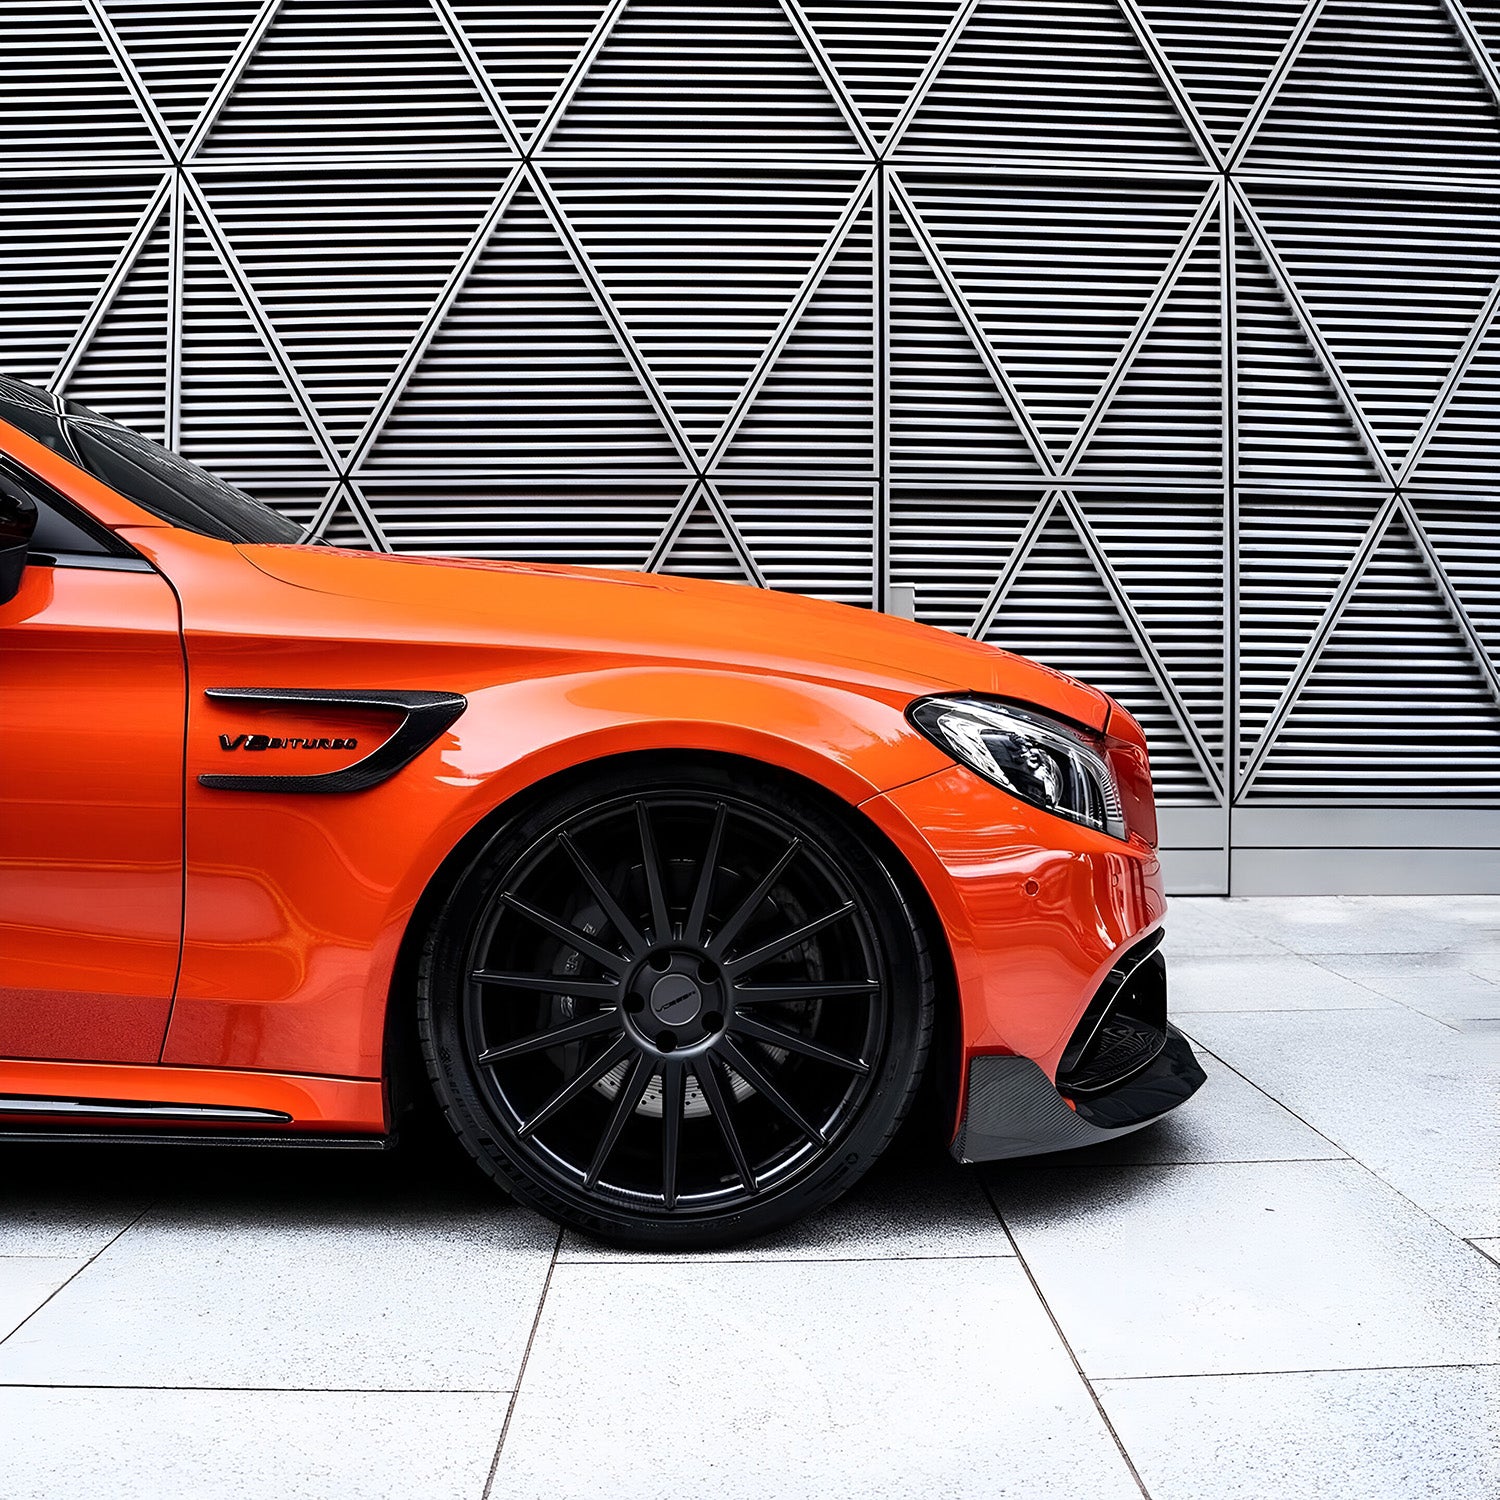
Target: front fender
x: 517, y: 734
x: 297, y: 905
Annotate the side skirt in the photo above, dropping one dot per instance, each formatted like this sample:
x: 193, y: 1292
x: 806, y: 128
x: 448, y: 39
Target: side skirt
x: 306, y: 1141
x: 68, y: 1100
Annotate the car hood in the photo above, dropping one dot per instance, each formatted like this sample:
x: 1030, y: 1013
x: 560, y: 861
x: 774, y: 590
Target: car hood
x: 646, y: 616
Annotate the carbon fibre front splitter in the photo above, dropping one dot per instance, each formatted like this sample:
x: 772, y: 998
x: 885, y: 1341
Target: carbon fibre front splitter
x: 1014, y: 1109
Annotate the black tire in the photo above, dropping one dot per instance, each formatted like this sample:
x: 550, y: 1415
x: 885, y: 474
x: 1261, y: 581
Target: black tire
x: 564, y: 1027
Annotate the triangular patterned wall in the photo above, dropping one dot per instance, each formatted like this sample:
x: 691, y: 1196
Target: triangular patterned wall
x: 1129, y: 332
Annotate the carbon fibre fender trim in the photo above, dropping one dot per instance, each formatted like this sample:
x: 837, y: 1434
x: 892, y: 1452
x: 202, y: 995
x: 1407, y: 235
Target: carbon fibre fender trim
x: 425, y: 715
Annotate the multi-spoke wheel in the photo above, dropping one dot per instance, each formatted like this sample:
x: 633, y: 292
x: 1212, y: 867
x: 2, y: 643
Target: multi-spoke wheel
x: 676, y: 1010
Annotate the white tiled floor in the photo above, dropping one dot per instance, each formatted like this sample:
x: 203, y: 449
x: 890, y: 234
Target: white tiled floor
x: 1412, y: 1098
x: 930, y: 1377
x: 26, y: 1282
x: 1266, y: 982
x: 1247, y: 1266
x: 1290, y: 1288
x: 151, y: 1444
x: 375, y: 1298
x: 1339, y: 1434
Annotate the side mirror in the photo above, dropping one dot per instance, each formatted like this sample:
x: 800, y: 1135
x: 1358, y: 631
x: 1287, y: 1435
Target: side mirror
x: 17, y: 522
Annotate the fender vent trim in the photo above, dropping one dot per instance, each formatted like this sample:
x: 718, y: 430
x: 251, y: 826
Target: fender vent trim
x: 426, y: 714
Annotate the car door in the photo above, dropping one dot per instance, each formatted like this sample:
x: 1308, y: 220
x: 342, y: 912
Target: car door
x: 92, y: 704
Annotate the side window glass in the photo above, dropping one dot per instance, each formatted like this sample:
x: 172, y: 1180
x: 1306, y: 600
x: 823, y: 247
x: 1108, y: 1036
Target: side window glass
x: 56, y: 535
x: 61, y: 532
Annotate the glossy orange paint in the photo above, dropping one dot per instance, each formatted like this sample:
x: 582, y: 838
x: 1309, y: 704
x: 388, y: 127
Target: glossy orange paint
x: 1035, y: 914
x: 92, y: 686
x: 295, y: 907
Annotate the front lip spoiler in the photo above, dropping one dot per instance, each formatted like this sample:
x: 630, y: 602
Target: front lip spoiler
x: 1014, y: 1109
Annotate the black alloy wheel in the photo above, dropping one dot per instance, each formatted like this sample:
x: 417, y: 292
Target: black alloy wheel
x: 676, y: 1010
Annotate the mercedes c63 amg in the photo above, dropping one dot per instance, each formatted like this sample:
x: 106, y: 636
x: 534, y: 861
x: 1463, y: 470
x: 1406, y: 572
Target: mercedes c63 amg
x: 669, y: 891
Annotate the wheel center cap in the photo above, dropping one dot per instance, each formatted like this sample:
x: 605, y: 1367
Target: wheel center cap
x: 675, y: 1000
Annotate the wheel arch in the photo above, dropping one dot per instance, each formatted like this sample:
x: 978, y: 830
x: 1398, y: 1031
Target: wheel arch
x: 403, y: 1069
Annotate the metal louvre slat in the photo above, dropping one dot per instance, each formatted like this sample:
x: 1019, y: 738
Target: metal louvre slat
x: 344, y: 527
x: 65, y: 101
x: 816, y: 408
x: 678, y: 75
x: 58, y: 243
x: 1394, y: 708
x: 347, y: 263
x: 181, y: 52
x: 952, y: 546
x: 1292, y: 427
x: 812, y: 538
x: 523, y: 376
x: 527, y: 49
x: 1058, y: 274
x: 702, y: 549
x: 1486, y: 21
x: 124, y: 366
x: 1291, y: 558
x: 236, y: 415
x: 1462, y: 530
x: 1394, y: 282
x: 947, y: 416
x: 1051, y: 78
x: 1167, y: 550
x: 702, y: 265
x: 1465, y: 446
x: 343, y: 76
x: 1223, y: 53
x: 1167, y: 417
x: 551, y: 520
x: 880, y: 48
x: 1383, y: 87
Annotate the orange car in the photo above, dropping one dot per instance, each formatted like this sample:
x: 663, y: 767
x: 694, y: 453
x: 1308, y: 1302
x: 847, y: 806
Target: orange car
x: 672, y: 889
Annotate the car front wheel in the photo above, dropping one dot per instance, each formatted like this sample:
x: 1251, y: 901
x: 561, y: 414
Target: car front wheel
x: 677, y: 1009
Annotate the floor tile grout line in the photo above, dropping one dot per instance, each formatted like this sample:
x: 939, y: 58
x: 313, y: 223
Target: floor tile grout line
x: 1290, y: 949
x: 1259, y: 937
x: 1212, y: 1161
x: 1318, y: 960
x: 1293, y: 1010
x: 260, y: 1390
x: 76, y: 1274
x: 786, y: 1260
x: 1468, y: 1364
x: 22, y: 1255
x: 1427, y: 1016
x: 510, y: 1408
x: 1104, y: 1417
x: 1349, y: 1156
x: 1267, y: 1094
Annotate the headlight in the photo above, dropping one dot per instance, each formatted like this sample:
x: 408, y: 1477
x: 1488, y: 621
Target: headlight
x: 1037, y: 759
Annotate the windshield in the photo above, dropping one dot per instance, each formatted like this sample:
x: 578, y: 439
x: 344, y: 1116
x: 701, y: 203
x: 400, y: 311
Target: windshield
x: 156, y: 479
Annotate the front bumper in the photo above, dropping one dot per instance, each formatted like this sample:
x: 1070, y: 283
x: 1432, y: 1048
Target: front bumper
x: 1048, y: 924
x: 1036, y: 910
x: 1124, y: 1066
x: 1013, y: 1109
